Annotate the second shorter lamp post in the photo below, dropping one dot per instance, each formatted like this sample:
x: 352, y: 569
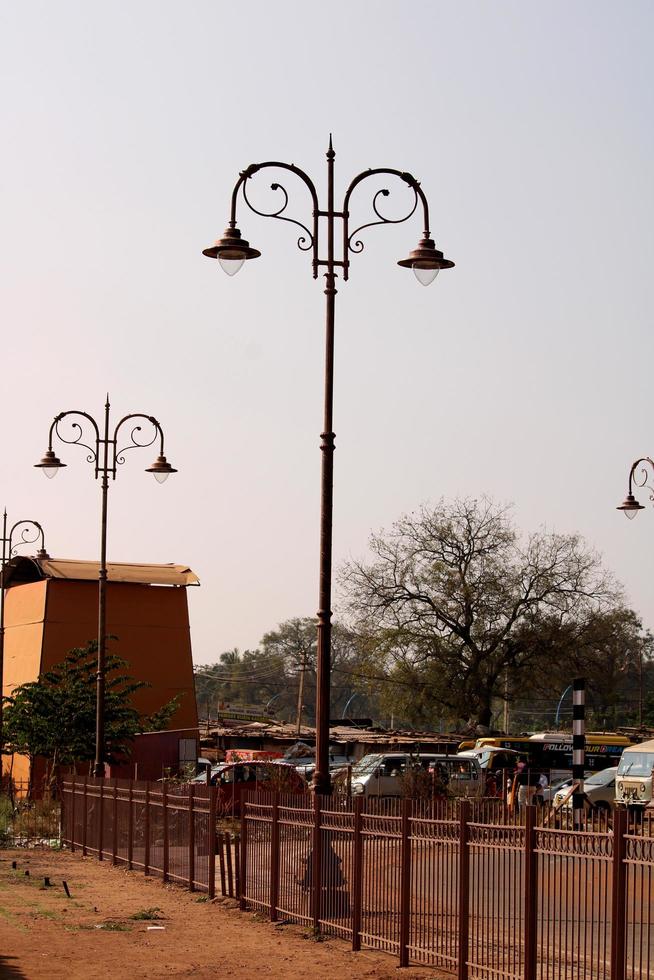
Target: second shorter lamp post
x: 103, y: 453
x: 20, y: 533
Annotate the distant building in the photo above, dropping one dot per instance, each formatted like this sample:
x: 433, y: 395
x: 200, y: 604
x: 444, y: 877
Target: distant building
x: 51, y: 606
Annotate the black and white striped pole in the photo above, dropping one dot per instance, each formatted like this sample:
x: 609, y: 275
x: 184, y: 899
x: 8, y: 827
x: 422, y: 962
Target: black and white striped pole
x: 578, y: 750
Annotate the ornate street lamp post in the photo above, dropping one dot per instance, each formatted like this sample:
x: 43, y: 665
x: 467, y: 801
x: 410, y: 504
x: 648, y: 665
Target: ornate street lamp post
x: 106, y: 457
x: 30, y: 532
x: 426, y: 261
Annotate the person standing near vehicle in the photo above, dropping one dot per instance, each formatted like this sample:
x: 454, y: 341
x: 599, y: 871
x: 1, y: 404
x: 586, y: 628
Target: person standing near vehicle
x: 525, y: 782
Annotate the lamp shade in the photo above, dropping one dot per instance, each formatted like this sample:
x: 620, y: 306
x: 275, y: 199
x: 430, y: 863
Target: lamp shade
x: 50, y: 464
x: 630, y: 506
x: 232, y: 250
x: 426, y: 261
x: 161, y: 469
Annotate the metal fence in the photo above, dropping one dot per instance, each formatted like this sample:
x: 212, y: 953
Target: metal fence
x: 482, y: 893
x: 159, y: 828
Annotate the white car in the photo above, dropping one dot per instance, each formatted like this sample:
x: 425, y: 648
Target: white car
x: 599, y: 789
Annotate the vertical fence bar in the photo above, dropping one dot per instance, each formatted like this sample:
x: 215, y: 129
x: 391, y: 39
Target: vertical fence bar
x: 464, y: 889
x: 357, y: 873
x: 237, y: 867
x: 230, y: 869
x: 100, y: 819
x: 164, y: 824
x: 85, y: 810
x: 316, y: 863
x: 405, y: 883
x: 130, y: 827
x: 244, y: 853
x: 221, y: 863
x: 146, y: 829
x: 211, y: 840
x: 619, y: 895
x: 531, y: 893
x: 114, y: 826
x: 191, y: 837
x: 274, y: 858
x: 72, y: 815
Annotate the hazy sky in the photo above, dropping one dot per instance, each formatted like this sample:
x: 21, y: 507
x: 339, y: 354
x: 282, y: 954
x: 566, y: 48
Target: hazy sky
x: 524, y: 373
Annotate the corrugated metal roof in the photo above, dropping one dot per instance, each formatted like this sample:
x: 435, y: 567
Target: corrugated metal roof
x: 77, y: 570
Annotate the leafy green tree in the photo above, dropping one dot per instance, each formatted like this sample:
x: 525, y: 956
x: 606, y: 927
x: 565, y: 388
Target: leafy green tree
x: 54, y: 716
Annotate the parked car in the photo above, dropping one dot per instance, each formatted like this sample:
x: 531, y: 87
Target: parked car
x: 306, y: 767
x: 380, y: 774
x: 548, y: 793
x: 235, y: 778
x: 599, y: 789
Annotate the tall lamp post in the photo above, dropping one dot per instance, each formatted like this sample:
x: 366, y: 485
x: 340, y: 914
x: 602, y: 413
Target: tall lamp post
x: 20, y: 533
x: 105, y: 456
x: 426, y: 261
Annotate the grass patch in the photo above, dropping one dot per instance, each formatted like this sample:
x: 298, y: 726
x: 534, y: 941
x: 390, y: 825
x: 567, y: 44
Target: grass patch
x: 114, y: 927
x: 148, y: 915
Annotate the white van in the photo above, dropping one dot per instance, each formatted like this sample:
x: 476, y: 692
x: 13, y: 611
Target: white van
x: 380, y: 774
x: 633, y: 784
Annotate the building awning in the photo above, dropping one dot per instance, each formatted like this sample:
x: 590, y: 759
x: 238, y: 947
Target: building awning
x: 23, y: 569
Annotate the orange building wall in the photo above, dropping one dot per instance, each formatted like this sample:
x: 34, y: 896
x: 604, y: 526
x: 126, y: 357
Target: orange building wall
x: 46, y: 619
x: 24, y: 623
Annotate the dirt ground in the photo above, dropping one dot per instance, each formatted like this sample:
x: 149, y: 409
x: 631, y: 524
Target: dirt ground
x: 105, y: 929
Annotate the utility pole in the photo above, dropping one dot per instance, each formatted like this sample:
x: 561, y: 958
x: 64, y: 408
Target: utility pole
x: 506, y: 701
x: 300, y: 693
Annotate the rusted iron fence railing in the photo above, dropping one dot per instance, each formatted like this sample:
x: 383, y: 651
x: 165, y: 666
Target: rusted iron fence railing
x: 161, y: 829
x: 480, y: 892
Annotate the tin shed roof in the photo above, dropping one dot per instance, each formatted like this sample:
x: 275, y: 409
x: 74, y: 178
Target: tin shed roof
x: 24, y: 569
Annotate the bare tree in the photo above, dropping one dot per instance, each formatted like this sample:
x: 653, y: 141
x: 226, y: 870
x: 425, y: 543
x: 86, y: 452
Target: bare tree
x: 454, y: 587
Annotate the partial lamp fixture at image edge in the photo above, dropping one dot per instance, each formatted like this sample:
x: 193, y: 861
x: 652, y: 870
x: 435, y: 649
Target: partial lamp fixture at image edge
x: 630, y: 505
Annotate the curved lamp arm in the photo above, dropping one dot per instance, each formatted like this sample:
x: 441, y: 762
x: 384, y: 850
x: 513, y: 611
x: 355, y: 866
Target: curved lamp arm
x: 310, y: 242
x: 135, y: 443
x: 161, y: 468
x: 93, y: 454
x: 24, y: 538
x: 644, y: 475
x: 350, y: 243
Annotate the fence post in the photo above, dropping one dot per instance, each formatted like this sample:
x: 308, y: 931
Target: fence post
x: 211, y: 840
x: 146, y: 829
x: 72, y: 815
x: 405, y: 882
x: 85, y: 810
x: 619, y: 895
x: 130, y: 827
x: 316, y: 863
x: 464, y: 888
x: 164, y: 824
x: 531, y: 893
x: 101, y: 820
x: 114, y: 826
x: 274, y: 858
x: 244, y: 853
x: 357, y: 873
x: 191, y: 837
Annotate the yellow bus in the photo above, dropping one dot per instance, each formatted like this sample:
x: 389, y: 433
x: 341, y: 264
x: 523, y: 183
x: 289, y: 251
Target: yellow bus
x: 553, y: 750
